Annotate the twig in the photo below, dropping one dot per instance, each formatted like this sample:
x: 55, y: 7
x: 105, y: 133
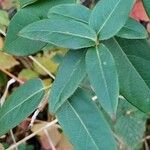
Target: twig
x: 2, y: 32
x: 10, y: 82
x: 13, y: 138
x: 146, y: 138
x: 146, y: 145
x: 42, y: 67
x: 121, y: 146
x: 40, y: 108
x: 49, y: 139
x: 12, y: 76
x: 33, y: 134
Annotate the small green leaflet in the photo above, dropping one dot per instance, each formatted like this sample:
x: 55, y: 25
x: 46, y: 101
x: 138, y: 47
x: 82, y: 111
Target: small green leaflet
x: 24, y: 3
x: 84, y: 124
x: 70, y: 74
x: 131, y: 82
x: 133, y: 30
x: 103, y: 77
x: 147, y: 6
x: 73, y: 11
x: 21, y: 46
x: 20, y: 104
x: 130, y: 124
x: 109, y: 16
x: 64, y: 33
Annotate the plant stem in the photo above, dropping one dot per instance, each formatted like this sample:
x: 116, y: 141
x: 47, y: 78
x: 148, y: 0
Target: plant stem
x: 32, y: 135
x: 42, y: 67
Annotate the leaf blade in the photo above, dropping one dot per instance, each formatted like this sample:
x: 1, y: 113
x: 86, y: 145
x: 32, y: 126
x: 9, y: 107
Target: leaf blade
x: 64, y: 33
x: 31, y: 14
x: 132, y: 121
x: 132, y: 30
x: 103, y: 18
x: 73, y: 11
x: 24, y: 3
x: 147, y: 6
x: 132, y: 85
x: 70, y: 74
x: 100, y: 65
x: 23, y: 101
x: 85, y: 123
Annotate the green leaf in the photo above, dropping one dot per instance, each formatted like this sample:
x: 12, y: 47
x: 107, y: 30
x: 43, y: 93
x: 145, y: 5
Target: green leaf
x: 109, y: 16
x: 132, y: 84
x: 138, y: 52
x: 130, y: 124
x: 64, y: 33
x: 20, y: 104
x: 20, y: 46
x: 4, y: 18
x: 147, y: 6
x: 133, y: 30
x: 103, y: 76
x: 70, y: 74
x: 84, y: 124
x: 73, y: 11
x: 24, y: 3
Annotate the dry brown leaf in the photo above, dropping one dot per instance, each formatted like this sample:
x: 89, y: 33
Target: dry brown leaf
x: 58, y: 139
x: 1, y: 42
x: 7, y: 61
x: 1, y: 147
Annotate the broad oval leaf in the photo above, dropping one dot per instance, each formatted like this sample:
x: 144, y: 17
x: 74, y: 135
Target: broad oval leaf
x: 20, y: 104
x: 133, y: 30
x: 109, y: 16
x: 64, y: 33
x: 84, y: 124
x: 103, y: 77
x: 133, y: 84
x: 70, y: 74
x: 147, y: 6
x: 73, y: 11
x: 24, y: 3
x: 21, y: 46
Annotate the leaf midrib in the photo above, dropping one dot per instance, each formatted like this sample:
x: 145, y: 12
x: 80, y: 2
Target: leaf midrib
x: 71, y: 17
x: 28, y: 98
x: 103, y: 75
x: 65, y: 33
x: 84, y: 126
x: 109, y: 16
x: 72, y: 73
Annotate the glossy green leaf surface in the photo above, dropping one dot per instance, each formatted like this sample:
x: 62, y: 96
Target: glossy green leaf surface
x: 133, y: 85
x: 109, y: 16
x: 20, y: 46
x: 133, y: 30
x: 20, y: 104
x: 24, y: 3
x: 64, y: 33
x: 73, y: 11
x: 147, y: 6
x: 70, y: 74
x: 84, y: 124
x: 103, y: 77
x: 130, y: 124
